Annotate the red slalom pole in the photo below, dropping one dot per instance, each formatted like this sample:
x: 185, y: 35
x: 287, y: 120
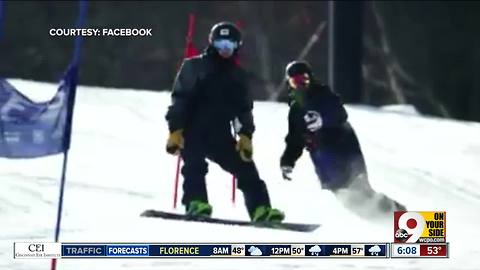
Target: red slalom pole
x: 234, y: 179
x: 191, y: 23
x: 177, y: 176
x: 190, y: 51
x: 234, y: 188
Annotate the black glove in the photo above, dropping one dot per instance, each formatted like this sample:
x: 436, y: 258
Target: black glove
x: 286, y: 172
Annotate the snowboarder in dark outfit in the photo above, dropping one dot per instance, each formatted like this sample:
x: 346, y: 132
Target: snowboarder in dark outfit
x: 209, y: 92
x: 318, y: 122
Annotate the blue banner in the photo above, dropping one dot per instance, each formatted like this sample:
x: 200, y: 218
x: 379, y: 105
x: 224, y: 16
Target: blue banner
x: 29, y: 129
x: 1, y: 19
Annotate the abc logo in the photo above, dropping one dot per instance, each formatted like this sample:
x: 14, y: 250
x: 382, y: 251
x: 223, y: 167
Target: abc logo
x: 401, y: 236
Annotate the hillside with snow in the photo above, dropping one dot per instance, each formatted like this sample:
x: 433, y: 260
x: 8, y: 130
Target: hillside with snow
x: 118, y: 167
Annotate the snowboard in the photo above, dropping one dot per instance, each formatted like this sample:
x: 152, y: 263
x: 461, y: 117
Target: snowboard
x: 296, y: 227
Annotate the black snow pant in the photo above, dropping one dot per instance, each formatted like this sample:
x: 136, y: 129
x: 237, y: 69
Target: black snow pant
x: 338, y: 161
x: 341, y: 168
x: 221, y: 150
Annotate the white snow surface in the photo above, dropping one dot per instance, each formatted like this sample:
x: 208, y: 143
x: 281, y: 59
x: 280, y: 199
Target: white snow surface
x: 118, y: 167
x: 401, y: 108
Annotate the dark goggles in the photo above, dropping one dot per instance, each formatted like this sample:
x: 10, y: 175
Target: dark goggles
x: 300, y: 80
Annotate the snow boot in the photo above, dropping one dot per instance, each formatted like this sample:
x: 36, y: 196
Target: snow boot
x: 267, y: 214
x: 197, y: 208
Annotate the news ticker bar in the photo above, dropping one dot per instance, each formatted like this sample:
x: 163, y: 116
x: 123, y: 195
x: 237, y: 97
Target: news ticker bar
x: 238, y: 250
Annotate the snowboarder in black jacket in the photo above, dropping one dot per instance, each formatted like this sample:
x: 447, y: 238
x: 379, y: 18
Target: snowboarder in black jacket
x: 317, y: 121
x: 209, y: 92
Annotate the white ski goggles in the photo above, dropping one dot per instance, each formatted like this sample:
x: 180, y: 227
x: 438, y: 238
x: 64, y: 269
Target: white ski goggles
x: 225, y: 44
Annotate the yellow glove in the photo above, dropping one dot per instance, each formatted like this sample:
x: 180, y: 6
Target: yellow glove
x: 244, y: 147
x: 175, y: 142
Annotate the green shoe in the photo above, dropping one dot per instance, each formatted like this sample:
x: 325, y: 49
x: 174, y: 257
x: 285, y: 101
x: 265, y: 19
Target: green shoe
x: 275, y: 215
x: 267, y: 214
x: 198, y: 208
x: 260, y: 214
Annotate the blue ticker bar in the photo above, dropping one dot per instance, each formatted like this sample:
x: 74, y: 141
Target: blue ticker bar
x: 237, y: 250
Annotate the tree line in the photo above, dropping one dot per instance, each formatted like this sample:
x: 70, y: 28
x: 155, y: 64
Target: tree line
x: 423, y: 53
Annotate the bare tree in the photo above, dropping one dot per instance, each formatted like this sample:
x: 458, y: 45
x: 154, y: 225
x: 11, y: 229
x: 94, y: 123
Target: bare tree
x: 396, y: 79
x: 303, y: 54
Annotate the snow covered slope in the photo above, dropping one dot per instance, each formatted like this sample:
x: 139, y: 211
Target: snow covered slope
x: 118, y: 168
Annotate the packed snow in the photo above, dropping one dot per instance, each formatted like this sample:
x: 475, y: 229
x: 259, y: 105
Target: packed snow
x: 118, y: 167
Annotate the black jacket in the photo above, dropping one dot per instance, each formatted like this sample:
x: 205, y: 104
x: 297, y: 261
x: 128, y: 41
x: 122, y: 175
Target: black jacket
x: 331, y: 135
x: 208, y: 93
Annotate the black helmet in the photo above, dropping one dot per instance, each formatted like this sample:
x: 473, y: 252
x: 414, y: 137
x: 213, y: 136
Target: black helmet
x: 297, y: 67
x: 225, y: 30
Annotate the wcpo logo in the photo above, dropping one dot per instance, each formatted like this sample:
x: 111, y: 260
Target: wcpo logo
x: 419, y: 227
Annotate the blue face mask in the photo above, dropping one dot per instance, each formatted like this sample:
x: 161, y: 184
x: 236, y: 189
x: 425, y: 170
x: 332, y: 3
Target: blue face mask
x: 225, y: 47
